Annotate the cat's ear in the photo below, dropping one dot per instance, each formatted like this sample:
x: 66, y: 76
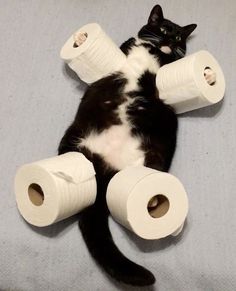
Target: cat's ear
x: 156, y: 15
x: 188, y: 29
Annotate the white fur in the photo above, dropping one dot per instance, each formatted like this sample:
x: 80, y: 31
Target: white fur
x: 166, y: 49
x: 116, y: 144
x: 138, y: 61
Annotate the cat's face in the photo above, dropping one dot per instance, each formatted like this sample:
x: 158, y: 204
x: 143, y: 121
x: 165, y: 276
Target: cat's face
x: 167, y: 36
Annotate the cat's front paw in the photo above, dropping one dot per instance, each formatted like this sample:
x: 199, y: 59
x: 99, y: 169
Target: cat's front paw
x: 79, y: 38
x: 210, y: 76
x: 153, y: 202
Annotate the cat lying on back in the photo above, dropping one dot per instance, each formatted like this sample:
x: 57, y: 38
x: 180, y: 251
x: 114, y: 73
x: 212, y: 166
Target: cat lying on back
x: 122, y: 122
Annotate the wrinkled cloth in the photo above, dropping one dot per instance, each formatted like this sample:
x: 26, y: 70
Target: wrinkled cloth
x: 39, y: 98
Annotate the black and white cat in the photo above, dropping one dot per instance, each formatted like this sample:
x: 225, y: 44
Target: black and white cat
x: 122, y: 122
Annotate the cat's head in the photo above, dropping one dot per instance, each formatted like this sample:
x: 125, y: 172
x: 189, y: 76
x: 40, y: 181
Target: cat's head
x: 167, y: 36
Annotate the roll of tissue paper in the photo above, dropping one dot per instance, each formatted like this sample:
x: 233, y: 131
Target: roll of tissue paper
x: 53, y: 189
x: 182, y: 84
x: 96, y: 55
x: 150, y: 203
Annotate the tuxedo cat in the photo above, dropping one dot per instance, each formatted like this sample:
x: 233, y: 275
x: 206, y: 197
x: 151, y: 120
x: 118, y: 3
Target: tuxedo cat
x: 122, y: 122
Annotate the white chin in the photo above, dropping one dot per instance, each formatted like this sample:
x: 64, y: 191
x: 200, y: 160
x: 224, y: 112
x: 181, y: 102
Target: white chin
x: 166, y: 49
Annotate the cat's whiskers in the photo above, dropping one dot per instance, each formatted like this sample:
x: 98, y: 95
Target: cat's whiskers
x: 150, y: 35
x: 151, y: 32
x: 153, y: 35
x: 179, y: 52
x: 151, y: 38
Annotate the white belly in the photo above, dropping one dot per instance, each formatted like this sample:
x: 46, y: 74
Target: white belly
x: 118, y: 148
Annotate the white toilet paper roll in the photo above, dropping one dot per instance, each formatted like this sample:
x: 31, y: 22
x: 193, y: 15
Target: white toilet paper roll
x: 96, y: 56
x: 182, y: 84
x: 129, y: 193
x: 53, y: 189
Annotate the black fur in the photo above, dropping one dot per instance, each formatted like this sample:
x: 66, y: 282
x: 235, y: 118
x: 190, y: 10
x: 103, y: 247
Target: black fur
x: 127, y: 45
x: 152, y: 120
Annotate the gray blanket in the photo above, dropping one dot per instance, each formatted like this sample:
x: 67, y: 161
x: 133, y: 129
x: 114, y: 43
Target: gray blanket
x: 39, y: 97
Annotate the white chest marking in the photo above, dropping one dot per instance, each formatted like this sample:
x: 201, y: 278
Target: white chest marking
x: 139, y: 60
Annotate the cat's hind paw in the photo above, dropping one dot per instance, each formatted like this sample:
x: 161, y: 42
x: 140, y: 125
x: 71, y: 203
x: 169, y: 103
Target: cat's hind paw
x: 79, y: 38
x: 210, y: 76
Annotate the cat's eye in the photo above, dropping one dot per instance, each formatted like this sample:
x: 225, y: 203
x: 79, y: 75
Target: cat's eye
x: 163, y: 30
x: 178, y: 38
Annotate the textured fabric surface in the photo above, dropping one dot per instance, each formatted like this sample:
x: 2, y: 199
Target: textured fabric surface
x: 39, y: 97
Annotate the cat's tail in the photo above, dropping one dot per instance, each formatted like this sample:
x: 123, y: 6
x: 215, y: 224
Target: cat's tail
x: 95, y: 230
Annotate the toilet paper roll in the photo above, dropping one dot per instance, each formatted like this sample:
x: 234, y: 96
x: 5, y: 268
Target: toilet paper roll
x: 53, y: 189
x: 95, y: 57
x: 182, y: 84
x: 129, y: 194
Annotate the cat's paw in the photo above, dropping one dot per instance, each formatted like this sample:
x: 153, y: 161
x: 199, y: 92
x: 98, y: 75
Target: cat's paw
x: 79, y: 38
x: 153, y: 202
x: 210, y: 76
